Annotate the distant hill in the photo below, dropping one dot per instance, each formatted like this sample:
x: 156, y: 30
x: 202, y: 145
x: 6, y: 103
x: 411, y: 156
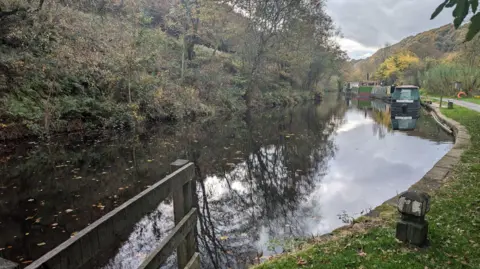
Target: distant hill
x: 436, y: 43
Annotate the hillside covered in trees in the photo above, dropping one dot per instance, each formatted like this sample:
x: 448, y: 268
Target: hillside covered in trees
x: 434, y: 60
x: 87, y: 64
x: 439, y: 43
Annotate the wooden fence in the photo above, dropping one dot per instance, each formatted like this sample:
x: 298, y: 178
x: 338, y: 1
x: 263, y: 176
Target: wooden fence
x: 77, y: 252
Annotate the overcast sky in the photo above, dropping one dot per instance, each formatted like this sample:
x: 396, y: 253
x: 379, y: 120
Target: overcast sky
x: 368, y: 24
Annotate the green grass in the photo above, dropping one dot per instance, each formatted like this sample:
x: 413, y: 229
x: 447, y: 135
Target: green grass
x: 471, y: 100
x: 454, y: 226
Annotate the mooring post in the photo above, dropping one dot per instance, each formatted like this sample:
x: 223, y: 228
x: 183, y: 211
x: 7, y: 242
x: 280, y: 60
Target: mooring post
x: 182, y: 204
x: 6, y: 264
x: 412, y: 227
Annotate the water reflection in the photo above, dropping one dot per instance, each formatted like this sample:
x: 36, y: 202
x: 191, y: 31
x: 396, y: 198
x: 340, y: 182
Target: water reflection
x: 263, y: 179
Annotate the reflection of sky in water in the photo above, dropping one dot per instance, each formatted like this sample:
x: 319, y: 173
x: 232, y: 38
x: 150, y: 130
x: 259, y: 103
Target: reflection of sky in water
x: 367, y: 169
x: 151, y: 228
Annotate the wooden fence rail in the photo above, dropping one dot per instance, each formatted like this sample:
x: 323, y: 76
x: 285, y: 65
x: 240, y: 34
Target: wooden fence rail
x: 78, y: 251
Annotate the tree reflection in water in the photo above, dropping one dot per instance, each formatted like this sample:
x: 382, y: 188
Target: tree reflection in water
x: 257, y: 180
x: 260, y: 199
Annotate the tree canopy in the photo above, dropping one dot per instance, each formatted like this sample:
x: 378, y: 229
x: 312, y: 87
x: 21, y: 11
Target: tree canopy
x: 460, y: 12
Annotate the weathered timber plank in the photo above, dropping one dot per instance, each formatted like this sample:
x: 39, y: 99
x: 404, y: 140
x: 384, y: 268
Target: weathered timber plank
x: 6, y: 264
x: 180, y: 207
x: 194, y: 262
x: 171, y: 242
x: 190, y: 238
x: 121, y: 218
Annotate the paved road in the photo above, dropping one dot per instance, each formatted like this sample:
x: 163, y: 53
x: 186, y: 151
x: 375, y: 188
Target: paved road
x: 468, y: 105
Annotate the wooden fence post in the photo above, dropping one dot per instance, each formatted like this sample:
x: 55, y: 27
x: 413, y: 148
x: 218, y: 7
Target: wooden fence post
x: 182, y: 204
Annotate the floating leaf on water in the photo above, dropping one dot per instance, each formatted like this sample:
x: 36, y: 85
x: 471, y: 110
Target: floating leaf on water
x: 9, y: 247
x: 31, y: 200
x: 149, y: 161
x: 54, y: 224
x: 27, y: 233
x: 230, y: 164
x: 287, y: 136
x: 120, y: 189
x: 38, y: 220
x: 2, y: 249
x: 238, y: 152
x: 41, y: 244
x: 104, y: 173
x: 29, y: 218
x: 223, y: 237
x: 68, y: 210
x: 27, y: 261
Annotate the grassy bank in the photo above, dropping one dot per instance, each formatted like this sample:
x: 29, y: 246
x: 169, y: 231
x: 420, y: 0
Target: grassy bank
x: 453, y: 232
x: 471, y: 100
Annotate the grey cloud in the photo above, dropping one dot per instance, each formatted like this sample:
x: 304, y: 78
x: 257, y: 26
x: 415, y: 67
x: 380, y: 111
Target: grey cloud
x: 356, y: 54
x: 376, y: 22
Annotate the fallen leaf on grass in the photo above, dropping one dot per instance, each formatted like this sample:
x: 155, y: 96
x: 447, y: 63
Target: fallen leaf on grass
x: 301, y: 261
x: 362, y: 254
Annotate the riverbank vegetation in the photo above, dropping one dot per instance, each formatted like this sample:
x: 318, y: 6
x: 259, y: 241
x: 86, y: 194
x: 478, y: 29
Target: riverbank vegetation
x: 80, y: 65
x: 439, y: 61
x: 370, y: 243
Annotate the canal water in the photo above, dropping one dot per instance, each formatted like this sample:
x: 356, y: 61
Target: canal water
x: 264, y: 179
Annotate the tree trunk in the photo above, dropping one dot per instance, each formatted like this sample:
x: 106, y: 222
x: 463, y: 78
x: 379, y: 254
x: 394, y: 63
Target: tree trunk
x: 183, y: 59
x: 129, y: 91
x: 441, y: 98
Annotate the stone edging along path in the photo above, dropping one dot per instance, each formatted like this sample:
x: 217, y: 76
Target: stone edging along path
x: 437, y: 176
